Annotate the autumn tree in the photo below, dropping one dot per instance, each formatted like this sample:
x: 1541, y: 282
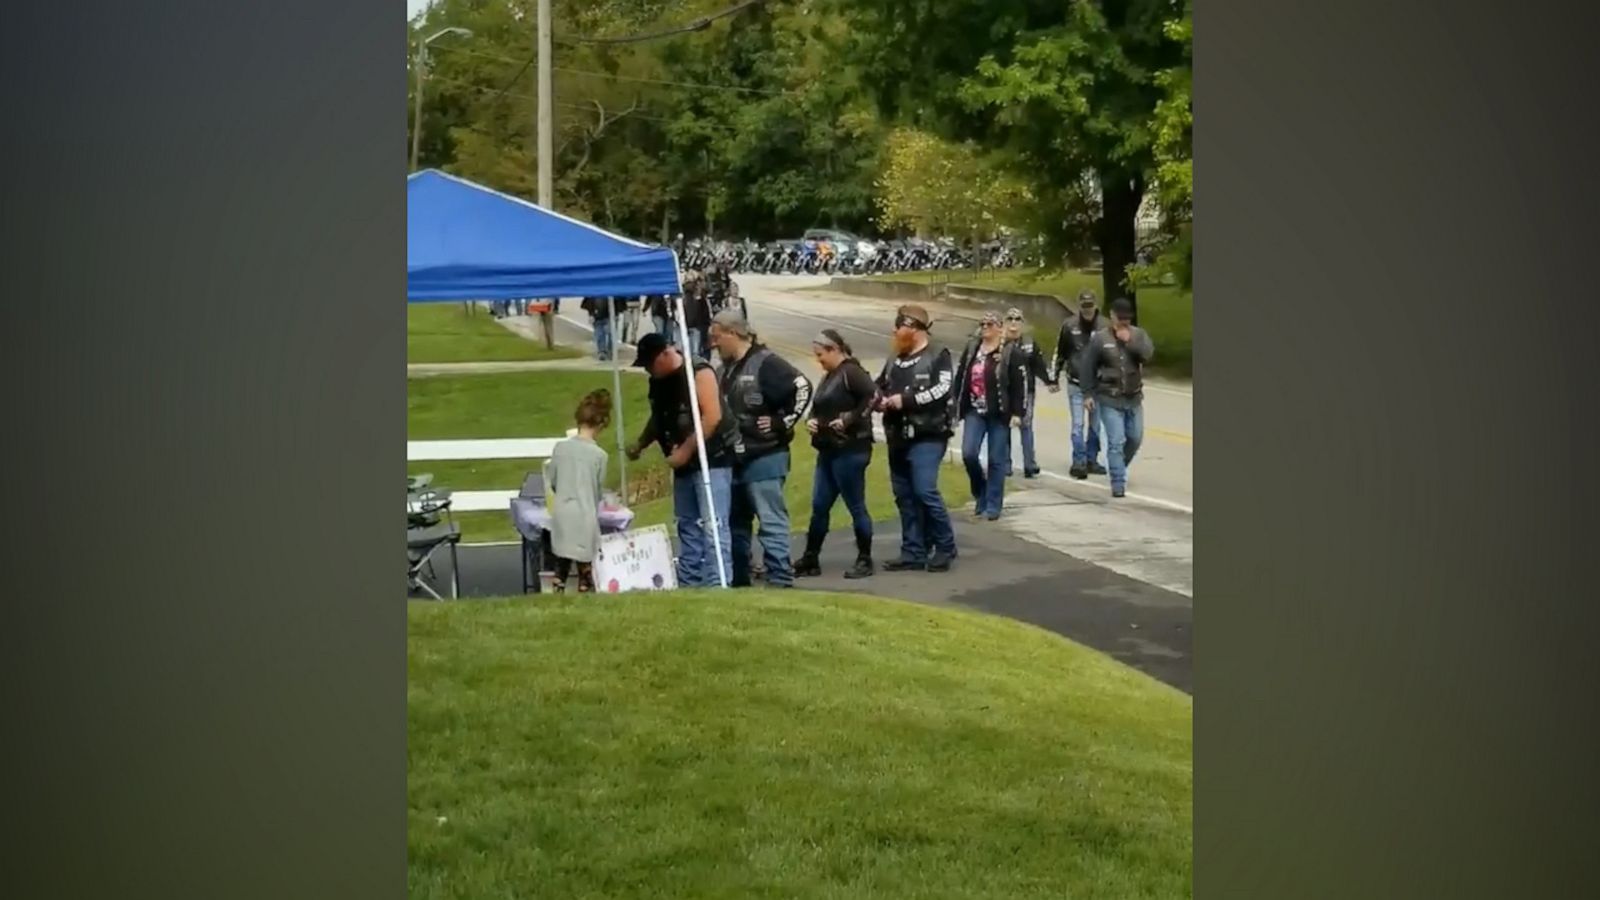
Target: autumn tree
x: 936, y: 186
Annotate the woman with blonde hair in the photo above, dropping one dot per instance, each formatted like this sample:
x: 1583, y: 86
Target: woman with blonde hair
x: 575, y: 474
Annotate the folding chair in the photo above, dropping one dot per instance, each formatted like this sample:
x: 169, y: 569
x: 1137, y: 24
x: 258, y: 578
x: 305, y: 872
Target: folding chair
x: 421, y: 545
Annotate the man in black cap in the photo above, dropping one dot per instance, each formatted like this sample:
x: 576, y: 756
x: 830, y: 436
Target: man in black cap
x: 766, y: 396
x: 1077, y: 333
x: 696, y: 501
x: 1111, y: 370
x: 914, y: 397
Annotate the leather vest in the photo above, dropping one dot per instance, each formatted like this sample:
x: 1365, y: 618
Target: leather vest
x: 1081, y: 337
x: 741, y: 386
x: 930, y: 421
x: 1117, y: 373
x: 674, y: 418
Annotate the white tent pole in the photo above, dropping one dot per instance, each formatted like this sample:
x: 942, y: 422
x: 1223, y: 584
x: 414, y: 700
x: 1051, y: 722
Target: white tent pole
x: 699, y: 430
x: 616, y: 394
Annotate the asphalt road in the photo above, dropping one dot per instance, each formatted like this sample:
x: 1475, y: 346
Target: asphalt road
x: 788, y: 311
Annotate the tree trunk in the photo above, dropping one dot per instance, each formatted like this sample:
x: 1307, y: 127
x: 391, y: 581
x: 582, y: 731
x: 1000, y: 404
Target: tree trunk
x: 1120, y: 196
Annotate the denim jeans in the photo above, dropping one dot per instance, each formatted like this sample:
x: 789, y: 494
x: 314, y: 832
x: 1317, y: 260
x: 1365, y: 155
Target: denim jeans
x: 924, y: 520
x: 840, y: 474
x: 1030, y: 461
x: 697, y: 567
x: 602, y: 338
x: 663, y: 327
x: 630, y: 324
x: 697, y: 343
x: 988, y: 481
x: 758, y: 495
x: 1085, y: 449
x: 1124, y: 433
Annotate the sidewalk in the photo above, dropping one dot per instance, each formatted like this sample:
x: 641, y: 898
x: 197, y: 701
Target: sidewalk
x: 1139, y: 624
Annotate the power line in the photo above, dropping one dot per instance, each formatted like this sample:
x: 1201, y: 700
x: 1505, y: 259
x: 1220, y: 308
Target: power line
x: 687, y: 84
x: 644, y: 116
x: 590, y: 72
x: 699, y: 24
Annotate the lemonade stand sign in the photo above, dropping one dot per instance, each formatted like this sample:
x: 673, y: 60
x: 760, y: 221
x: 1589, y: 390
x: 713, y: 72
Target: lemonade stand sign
x: 635, y: 561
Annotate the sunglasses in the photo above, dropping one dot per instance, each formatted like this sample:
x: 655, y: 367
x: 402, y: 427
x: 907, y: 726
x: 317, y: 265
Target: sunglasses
x: 1013, y: 318
x: 906, y: 322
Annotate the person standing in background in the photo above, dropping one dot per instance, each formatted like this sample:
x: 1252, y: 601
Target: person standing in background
x: 1112, y: 371
x: 1023, y: 346
x: 1077, y: 335
x: 629, y: 308
x: 841, y: 431
x: 660, y: 309
x: 697, y: 316
x: 599, y: 309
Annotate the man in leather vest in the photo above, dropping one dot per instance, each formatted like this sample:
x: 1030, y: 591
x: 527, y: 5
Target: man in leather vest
x: 1077, y: 333
x: 1032, y: 359
x: 914, y: 397
x: 766, y: 396
x: 699, y: 499
x: 1111, y: 370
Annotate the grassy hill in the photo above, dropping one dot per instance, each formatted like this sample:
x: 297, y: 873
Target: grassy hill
x: 783, y: 744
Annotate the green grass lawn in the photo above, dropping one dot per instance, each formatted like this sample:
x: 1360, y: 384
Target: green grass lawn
x: 541, y: 404
x: 783, y: 744
x: 1165, y: 312
x: 443, y: 333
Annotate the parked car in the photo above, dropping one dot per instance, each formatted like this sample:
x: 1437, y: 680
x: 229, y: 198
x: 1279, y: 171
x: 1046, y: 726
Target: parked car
x: 844, y: 241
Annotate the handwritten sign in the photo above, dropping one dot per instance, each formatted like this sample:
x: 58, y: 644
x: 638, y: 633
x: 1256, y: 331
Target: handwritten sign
x: 635, y: 561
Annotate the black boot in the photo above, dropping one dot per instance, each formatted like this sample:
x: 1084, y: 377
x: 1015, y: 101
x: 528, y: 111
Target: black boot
x: 863, y: 566
x: 807, y: 565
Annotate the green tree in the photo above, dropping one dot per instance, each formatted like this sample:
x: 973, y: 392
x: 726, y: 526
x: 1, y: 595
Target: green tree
x: 1063, y: 89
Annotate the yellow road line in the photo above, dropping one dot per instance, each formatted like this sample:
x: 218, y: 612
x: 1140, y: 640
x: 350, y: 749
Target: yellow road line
x: 1175, y: 436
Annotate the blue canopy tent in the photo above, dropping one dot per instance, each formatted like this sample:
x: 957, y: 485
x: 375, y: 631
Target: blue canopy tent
x: 468, y: 242
x: 465, y: 241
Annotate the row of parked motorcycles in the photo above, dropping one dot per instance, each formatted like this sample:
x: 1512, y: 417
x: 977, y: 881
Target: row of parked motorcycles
x: 858, y: 258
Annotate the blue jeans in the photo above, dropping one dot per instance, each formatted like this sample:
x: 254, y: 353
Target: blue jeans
x: 697, y: 344
x: 988, y: 482
x: 602, y: 338
x: 663, y: 326
x: 840, y: 473
x: 1030, y: 461
x: 1124, y: 433
x: 697, y: 567
x: 758, y: 495
x: 1084, y: 451
x: 914, y: 477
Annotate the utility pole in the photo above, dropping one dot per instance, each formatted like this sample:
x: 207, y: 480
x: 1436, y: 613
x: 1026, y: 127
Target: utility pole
x: 422, y: 74
x: 416, y: 122
x: 546, y: 118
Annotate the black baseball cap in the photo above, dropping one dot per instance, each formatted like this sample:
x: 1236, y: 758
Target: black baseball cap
x: 1121, y: 308
x: 650, y: 347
